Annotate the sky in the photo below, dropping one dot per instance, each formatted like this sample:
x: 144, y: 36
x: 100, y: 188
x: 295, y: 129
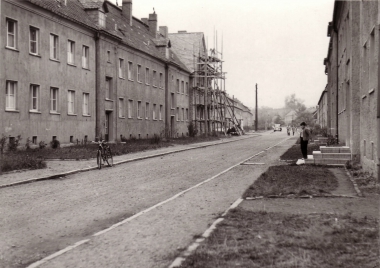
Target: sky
x: 278, y: 44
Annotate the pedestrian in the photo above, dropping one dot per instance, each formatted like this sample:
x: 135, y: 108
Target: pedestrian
x: 293, y: 129
x: 288, y: 130
x: 304, y: 137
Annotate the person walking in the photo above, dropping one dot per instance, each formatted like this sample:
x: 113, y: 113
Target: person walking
x: 304, y: 137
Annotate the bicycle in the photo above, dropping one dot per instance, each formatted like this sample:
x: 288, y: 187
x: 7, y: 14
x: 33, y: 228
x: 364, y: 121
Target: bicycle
x: 104, y: 154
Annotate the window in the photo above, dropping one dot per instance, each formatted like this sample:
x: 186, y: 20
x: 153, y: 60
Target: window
x: 154, y: 112
x: 34, y: 97
x: 154, y: 78
x: 70, y: 52
x: 71, y: 102
x: 86, y: 97
x: 187, y: 114
x: 85, y: 57
x: 108, y: 87
x: 130, y: 108
x: 139, y: 73
x: 11, y: 33
x: 147, y: 76
x: 108, y: 56
x: 139, y: 109
x: 365, y: 148
x: 160, y: 82
x: 177, y: 114
x: 372, y: 151
x: 121, y: 68
x: 160, y: 113
x: 54, y: 100
x: 102, y: 19
x: 147, y: 110
x: 71, y: 139
x: 187, y: 88
x: 183, y: 87
x: 130, y: 70
x: 121, y: 107
x: 177, y: 86
x: 183, y: 114
x: 172, y: 100
x: 34, y: 140
x: 34, y: 39
x: 54, y: 46
x: 10, y: 92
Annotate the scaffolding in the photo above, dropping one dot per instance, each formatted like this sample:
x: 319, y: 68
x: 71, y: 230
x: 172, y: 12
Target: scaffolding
x: 214, y: 110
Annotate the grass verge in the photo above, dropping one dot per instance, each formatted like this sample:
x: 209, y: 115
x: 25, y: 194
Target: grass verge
x: 15, y: 161
x: 294, y: 152
x: 263, y: 239
x: 291, y: 179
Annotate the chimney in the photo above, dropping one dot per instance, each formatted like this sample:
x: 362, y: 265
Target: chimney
x: 152, y: 22
x: 164, y: 31
x: 126, y: 10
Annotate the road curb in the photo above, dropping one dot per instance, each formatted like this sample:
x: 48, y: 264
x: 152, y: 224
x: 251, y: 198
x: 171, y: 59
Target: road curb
x: 71, y: 172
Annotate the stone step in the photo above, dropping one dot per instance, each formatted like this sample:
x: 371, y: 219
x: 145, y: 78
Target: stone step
x: 320, y: 155
x: 335, y: 150
x: 326, y: 161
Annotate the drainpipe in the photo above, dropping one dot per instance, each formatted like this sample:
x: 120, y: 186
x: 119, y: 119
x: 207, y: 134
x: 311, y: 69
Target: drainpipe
x: 167, y: 108
x: 97, y: 85
x: 378, y: 119
x: 337, y: 80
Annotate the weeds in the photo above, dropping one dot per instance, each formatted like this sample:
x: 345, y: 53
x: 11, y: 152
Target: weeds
x: 14, y: 161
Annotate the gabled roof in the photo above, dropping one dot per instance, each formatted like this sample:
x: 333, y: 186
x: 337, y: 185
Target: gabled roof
x: 187, y: 45
x: 73, y: 10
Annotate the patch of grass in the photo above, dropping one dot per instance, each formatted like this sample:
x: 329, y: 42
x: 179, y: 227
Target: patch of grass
x: 294, y: 152
x: 297, y: 180
x: 262, y: 239
x: 130, y: 146
x: 13, y: 161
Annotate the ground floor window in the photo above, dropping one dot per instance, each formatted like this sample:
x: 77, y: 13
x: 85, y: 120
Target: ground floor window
x: 10, y: 93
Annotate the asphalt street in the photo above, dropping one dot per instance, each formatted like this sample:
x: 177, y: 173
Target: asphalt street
x: 42, y: 218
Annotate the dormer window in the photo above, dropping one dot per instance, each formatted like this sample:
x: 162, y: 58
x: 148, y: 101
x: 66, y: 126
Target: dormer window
x: 115, y: 27
x: 102, y: 19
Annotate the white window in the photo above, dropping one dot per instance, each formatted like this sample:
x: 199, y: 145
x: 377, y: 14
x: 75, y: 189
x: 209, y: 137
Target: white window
x: 139, y: 73
x: 147, y: 76
x: 147, y: 110
x: 54, y: 100
x: 121, y: 107
x: 139, y: 109
x: 71, y: 102
x: 54, y: 46
x: 108, y: 87
x: 177, y: 114
x: 160, y: 113
x: 86, y: 97
x: 11, y: 33
x: 130, y: 108
x: 102, y: 19
x: 34, y: 97
x: 154, y: 112
x: 10, y: 92
x: 85, y: 57
x: 70, y: 52
x: 121, y: 68
x: 130, y: 70
x: 154, y: 78
x: 34, y: 39
x: 161, y: 81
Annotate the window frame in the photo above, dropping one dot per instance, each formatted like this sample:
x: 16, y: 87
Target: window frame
x: 121, y: 68
x: 108, y: 92
x: 154, y: 78
x: 154, y: 111
x: 86, y: 106
x: 34, y: 88
x: 7, y: 95
x: 37, y: 41
x: 160, y: 112
x: 121, y: 108
x: 160, y: 80
x: 71, y: 101
x: 139, y: 110
x: 70, y: 46
x: 139, y: 73
x: 54, y: 47
x: 52, y: 100
x: 85, y: 57
x: 130, y: 108
x: 15, y: 34
x: 130, y: 70
x: 147, y: 110
x: 147, y: 76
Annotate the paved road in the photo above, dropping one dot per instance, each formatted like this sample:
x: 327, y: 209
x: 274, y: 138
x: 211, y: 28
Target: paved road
x: 42, y: 218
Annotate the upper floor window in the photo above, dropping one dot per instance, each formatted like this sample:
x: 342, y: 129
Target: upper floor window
x: 11, y: 33
x: 71, y: 102
x: 121, y: 107
x: 177, y: 86
x: 85, y: 57
x: 139, y: 73
x: 34, y: 97
x: 182, y: 87
x: 147, y: 76
x: 187, y: 88
x: 34, y: 40
x: 86, y: 97
x: 154, y: 111
x: 54, y: 46
x: 130, y: 108
x: 102, y: 19
x: 70, y: 52
x: 108, y: 87
x: 147, y: 110
x: 161, y: 81
x: 10, y: 95
x: 160, y: 113
x: 108, y: 56
x: 121, y: 68
x: 54, y: 100
x: 130, y: 70
x: 139, y: 109
x: 154, y: 78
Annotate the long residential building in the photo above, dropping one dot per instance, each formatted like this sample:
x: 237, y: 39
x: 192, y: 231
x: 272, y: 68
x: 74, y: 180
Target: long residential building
x: 352, y: 67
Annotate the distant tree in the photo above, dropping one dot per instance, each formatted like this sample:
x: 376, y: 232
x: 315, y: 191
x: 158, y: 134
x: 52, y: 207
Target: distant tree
x: 295, y: 104
x: 279, y: 120
x: 306, y: 117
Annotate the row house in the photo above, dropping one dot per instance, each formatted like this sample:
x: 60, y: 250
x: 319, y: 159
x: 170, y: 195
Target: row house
x: 352, y: 68
x: 80, y: 69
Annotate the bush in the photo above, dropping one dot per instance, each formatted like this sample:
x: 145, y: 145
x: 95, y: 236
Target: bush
x: 42, y: 144
x: 3, y: 142
x: 55, y: 144
x: 156, y: 139
x: 193, y: 131
x: 14, y: 161
x: 27, y: 144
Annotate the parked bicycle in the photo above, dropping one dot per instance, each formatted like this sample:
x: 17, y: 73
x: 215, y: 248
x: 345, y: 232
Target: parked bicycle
x: 104, y: 154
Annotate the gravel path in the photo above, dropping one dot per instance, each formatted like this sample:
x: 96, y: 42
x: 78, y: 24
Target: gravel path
x: 44, y: 217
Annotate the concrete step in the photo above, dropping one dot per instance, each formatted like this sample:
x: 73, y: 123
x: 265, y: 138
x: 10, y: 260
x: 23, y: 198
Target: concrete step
x: 335, y: 150
x: 326, y: 161
x: 320, y: 155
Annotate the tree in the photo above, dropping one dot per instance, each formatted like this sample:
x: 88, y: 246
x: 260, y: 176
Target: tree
x: 294, y: 104
x: 279, y: 120
x: 306, y: 117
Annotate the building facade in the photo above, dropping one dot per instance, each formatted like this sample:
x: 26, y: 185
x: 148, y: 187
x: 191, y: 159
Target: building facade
x: 353, y: 79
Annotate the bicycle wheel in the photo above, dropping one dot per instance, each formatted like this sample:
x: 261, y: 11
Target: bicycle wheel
x: 108, y: 157
x: 99, y: 160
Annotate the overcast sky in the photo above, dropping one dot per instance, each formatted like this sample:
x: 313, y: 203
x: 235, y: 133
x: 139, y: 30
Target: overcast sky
x: 278, y: 44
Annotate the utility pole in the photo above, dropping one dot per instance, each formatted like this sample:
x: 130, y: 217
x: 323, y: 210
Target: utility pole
x: 256, y: 117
